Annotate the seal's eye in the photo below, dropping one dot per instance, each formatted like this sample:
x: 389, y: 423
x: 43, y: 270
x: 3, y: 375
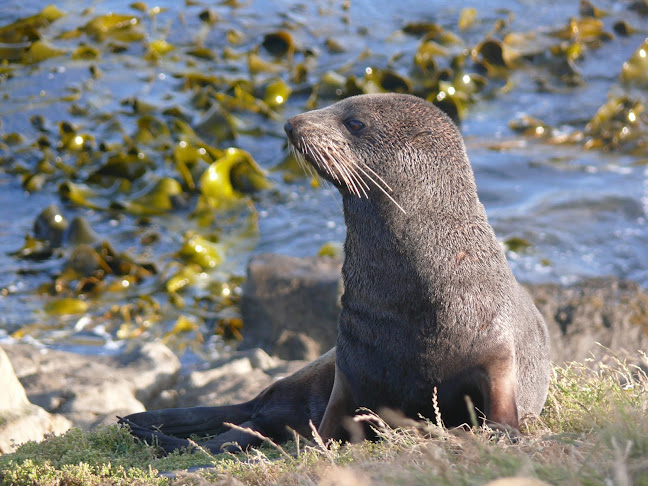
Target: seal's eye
x: 354, y: 126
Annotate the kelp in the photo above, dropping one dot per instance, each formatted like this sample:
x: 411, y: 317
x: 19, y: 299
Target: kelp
x: 50, y: 225
x: 496, y: 56
x: 426, y: 54
x: 588, y: 9
x: 467, y: 18
x: 242, y: 99
x: 129, y: 166
x: 201, y: 251
x: 634, y: 72
x: 236, y: 172
x: 85, y: 52
x: 90, y: 267
x: 276, y: 93
x: 159, y: 162
x: 164, y: 196
x: 621, y: 121
x: 118, y: 27
x: 28, y: 29
x: 22, y: 41
x: 66, y: 306
x: 530, y: 126
x: 385, y: 80
x: 279, y: 44
x: 517, y: 244
x: 158, y: 49
x: 588, y: 30
x: 82, y: 195
x: 186, y: 275
x: 40, y: 51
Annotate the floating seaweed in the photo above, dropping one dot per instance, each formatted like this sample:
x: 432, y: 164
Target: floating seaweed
x: 139, y: 129
x: 634, y: 71
x: 233, y: 174
x: 118, y: 27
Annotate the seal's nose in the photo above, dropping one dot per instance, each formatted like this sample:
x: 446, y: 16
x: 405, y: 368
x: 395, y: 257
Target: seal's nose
x: 288, y: 128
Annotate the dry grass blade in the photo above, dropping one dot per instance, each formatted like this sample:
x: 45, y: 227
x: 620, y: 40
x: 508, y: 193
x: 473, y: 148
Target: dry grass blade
x: 196, y: 445
x: 255, y: 433
x: 320, y: 443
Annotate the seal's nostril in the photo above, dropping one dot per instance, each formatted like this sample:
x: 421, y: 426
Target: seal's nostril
x: 288, y: 127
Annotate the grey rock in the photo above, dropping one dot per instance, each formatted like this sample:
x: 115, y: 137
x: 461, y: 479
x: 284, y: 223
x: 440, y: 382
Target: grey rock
x: 89, y: 403
x: 20, y: 420
x: 13, y: 397
x: 156, y: 368
x: 290, y: 305
x: 219, y: 389
x: 240, y: 366
x: 593, y: 317
x: 260, y: 359
x: 91, y: 390
x: 31, y: 425
x: 236, y: 378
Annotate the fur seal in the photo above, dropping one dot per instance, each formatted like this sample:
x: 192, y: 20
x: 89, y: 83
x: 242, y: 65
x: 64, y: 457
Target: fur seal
x: 431, y: 309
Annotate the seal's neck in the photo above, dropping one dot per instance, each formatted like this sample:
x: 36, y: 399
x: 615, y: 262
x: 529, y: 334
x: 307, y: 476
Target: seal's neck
x: 393, y: 258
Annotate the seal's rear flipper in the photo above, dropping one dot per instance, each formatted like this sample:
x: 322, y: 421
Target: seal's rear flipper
x: 231, y: 441
x: 184, y: 422
x: 289, y: 404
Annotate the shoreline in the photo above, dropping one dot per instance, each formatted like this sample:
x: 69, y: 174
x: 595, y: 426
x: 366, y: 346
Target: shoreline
x: 588, y: 321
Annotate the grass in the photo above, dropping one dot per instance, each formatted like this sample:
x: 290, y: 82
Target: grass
x: 593, y: 430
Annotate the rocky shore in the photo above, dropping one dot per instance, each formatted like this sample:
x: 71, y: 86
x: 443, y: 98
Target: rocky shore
x: 289, y: 308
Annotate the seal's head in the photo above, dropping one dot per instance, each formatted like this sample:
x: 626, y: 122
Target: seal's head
x: 392, y: 148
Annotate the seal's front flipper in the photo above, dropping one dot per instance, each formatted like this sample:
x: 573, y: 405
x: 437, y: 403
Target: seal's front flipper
x: 339, y: 409
x: 501, y: 405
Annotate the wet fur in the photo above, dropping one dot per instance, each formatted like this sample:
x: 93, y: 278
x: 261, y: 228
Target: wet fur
x: 429, y: 300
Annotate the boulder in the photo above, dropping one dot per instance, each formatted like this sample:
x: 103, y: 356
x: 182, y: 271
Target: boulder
x: 20, y: 420
x: 290, y: 306
x: 13, y: 395
x: 592, y: 317
x: 92, y: 390
x: 237, y: 378
x: 154, y: 367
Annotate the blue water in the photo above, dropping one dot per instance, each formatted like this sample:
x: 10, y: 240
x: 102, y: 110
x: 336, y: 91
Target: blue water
x: 584, y: 212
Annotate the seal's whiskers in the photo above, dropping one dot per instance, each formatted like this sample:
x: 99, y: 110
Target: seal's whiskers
x: 350, y: 169
x: 348, y: 173
x: 303, y: 164
x: 349, y: 176
x: 375, y: 178
x: 340, y: 168
x: 311, y: 172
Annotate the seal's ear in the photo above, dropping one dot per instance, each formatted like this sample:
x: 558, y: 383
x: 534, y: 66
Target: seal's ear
x: 421, y: 139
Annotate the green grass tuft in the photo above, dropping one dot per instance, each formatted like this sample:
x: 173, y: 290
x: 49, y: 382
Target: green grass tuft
x: 593, y: 430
